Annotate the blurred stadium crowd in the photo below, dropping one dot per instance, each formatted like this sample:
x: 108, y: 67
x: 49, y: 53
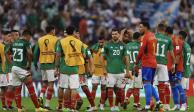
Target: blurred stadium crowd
x: 94, y: 18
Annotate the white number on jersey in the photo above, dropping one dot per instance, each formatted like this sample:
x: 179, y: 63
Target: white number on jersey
x: 132, y: 56
x: 162, y: 47
x: 188, y: 58
x: 116, y: 52
x: 18, y: 52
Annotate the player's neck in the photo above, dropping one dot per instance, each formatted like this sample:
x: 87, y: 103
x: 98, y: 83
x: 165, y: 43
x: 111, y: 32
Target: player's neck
x: 161, y: 32
x: 115, y: 41
x: 147, y: 31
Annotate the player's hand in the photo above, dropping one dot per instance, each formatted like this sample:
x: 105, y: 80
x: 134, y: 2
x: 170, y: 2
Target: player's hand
x: 136, y: 71
x: 129, y: 75
x: 29, y: 69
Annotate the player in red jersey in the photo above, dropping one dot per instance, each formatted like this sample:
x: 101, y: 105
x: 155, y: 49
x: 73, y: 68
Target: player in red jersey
x: 147, y: 56
x: 176, y: 77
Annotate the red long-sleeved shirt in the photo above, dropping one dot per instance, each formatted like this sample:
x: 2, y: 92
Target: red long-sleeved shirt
x: 147, y: 52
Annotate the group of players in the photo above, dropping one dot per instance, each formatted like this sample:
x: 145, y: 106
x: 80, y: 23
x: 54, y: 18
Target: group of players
x: 140, y: 59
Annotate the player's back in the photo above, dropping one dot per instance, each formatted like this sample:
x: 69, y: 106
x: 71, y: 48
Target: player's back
x: 72, y: 50
x: 47, y: 45
x: 164, y: 44
x: 186, y: 59
x: 19, y: 52
x: 132, y: 51
x: 149, y: 53
x: 96, y: 51
x: 178, y: 47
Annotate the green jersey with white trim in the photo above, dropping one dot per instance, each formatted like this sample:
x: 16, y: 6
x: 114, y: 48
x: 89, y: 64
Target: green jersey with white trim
x: 132, y: 51
x: 19, y: 52
x: 164, y: 44
x: 114, y: 52
x: 186, y: 60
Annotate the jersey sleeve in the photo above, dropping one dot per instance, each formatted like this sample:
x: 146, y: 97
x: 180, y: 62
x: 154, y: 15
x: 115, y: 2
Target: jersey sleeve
x: 142, y: 49
x: 28, y: 45
x: 104, y: 50
x: 88, y: 53
x: 36, y: 54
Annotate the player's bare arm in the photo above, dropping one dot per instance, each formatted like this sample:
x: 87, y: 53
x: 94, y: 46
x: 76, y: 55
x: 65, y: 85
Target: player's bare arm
x: 172, y: 55
x: 103, y: 64
x: 91, y: 65
x: 128, y: 75
x: 29, y: 56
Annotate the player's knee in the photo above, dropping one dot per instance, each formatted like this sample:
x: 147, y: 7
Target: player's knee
x: 50, y: 84
x: 94, y: 87
x: 103, y: 87
x: 45, y: 83
x: 84, y: 87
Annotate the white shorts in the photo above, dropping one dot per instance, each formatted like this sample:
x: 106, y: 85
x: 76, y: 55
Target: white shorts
x: 48, y: 75
x: 137, y: 82
x: 3, y: 80
x: 83, y: 80
x: 98, y: 80
x: 69, y: 81
x: 19, y: 74
x: 185, y: 83
x: 116, y: 79
x: 161, y: 74
x: 9, y: 79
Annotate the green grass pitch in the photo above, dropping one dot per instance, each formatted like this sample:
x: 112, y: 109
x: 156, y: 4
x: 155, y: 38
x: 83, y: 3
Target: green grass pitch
x: 27, y: 103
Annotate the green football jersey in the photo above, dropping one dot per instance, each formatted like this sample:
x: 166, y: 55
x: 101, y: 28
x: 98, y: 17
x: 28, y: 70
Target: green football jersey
x: 88, y: 53
x: 114, y: 53
x: 19, y: 52
x: 164, y: 44
x: 132, y: 51
x: 63, y: 67
x: 186, y: 59
x: 7, y: 65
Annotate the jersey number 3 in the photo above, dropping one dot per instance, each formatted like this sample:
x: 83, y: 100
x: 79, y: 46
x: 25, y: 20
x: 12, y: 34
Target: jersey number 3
x: 17, y: 55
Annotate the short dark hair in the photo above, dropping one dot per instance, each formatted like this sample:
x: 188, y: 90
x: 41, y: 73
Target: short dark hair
x: 14, y: 31
x: 70, y: 30
x: 101, y: 38
x: 169, y: 30
x: 136, y: 35
x: 161, y: 27
x: 49, y: 28
x: 183, y: 34
x: 145, y: 24
x: 27, y: 32
x: 5, y: 32
x: 115, y: 29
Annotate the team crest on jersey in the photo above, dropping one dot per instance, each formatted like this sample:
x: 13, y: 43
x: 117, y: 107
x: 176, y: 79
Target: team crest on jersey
x: 177, y: 47
x: 121, y: 47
